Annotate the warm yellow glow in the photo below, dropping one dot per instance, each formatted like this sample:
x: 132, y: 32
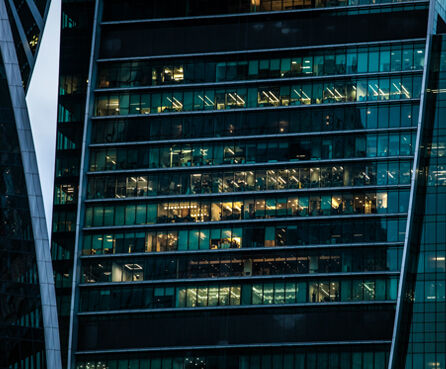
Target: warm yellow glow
x: 34, y: 41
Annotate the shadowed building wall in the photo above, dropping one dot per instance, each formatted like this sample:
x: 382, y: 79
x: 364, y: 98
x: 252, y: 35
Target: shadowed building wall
x: 29, y: 336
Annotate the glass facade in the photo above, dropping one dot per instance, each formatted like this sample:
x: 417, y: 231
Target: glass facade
x: 288, y: 178
x: 423, y: 328
x: 76, y: 30
x: 22, y: 343
x: 394, y: 57
x: 235, y: 180
x: 304, y: 93
x: 27, y: 20
x: 28, y: 315
x: 298, y: 358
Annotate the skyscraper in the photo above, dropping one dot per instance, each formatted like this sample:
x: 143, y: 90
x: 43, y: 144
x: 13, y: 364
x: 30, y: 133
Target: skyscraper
x: 29, y: 336
x: 234, y: 185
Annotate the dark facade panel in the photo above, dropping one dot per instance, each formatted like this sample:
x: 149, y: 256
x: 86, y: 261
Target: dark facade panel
x: 265, y: 32
x: 115, y: 10
x: 343, y: 356
x: 236, y: 328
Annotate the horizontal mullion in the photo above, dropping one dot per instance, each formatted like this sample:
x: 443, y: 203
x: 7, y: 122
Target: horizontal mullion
x: 247, y: 166
x: 240, y: 222
x: 237, y: 307
x: 250, y: 250
x: 245, y: 346
x: 255, y: 109
x: 282, y: 136
x: 217, y: 195
x: 275, y: 81
x: 259, y: 51
x: 241, y: 279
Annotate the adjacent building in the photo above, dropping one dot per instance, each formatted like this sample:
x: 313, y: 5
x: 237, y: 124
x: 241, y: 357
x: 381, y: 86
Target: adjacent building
x: 29, y: 336
x: 234, y: 185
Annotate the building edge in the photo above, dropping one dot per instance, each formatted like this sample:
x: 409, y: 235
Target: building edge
x: 34, y: 193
